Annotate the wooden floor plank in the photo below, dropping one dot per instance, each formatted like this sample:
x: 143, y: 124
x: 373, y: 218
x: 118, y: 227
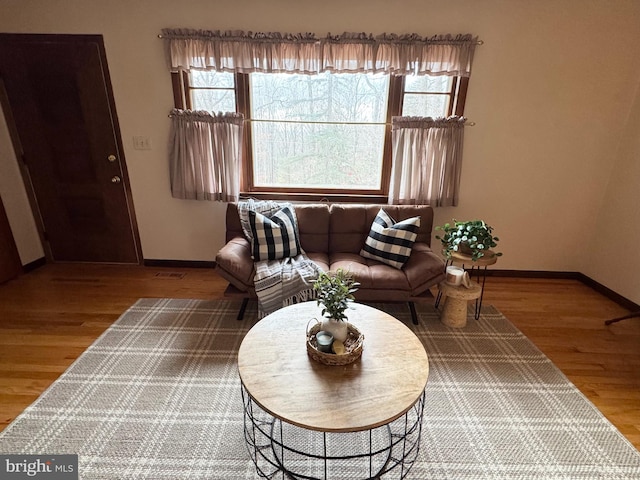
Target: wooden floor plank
x: 51, y: 315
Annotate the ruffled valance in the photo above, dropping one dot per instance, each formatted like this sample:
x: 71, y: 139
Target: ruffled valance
x: 248, y: 52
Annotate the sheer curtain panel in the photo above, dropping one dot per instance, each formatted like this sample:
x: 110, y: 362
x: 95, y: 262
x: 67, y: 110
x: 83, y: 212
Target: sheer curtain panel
x: 204, y: 157
x: 427, y: 160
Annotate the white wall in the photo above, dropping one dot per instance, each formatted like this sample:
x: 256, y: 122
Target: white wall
x: 614, y: 253
x: 550, y: 94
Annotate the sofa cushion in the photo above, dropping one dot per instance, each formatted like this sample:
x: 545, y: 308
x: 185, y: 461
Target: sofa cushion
x: 321, y: 259
x: 313, y: 226
x: 390, y: 242
x: 370, y: 273
x: 276, y: 236
x: 350, y: 224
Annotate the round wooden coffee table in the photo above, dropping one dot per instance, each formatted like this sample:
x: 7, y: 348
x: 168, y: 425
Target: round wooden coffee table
x: 310, y: 420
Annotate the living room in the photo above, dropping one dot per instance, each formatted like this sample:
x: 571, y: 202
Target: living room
x: 551, y: 162
x: 553, y: 149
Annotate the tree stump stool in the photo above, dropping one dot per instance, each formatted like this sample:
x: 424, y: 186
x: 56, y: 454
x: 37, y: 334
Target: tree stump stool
x: 454, y: 311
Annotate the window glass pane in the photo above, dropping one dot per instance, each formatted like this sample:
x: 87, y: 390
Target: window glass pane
x: 311, y: 130
x: 425, y: 105
x: 213, y: 100
x: 317, y: 155
x: 325, y: 97
x: 426, y: 83
x: 211, y: 79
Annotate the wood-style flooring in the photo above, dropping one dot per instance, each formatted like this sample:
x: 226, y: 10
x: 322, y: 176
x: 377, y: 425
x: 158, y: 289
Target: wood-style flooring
x: 50, y: 316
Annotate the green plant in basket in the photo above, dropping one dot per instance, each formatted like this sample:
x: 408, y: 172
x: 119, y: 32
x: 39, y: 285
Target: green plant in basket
x: 472, y: 237
x: 334, y: 292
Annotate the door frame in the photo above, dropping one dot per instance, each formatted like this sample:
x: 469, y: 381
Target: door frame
x: 15, y: 139
x: 24, y: 172
x: 10, y: 263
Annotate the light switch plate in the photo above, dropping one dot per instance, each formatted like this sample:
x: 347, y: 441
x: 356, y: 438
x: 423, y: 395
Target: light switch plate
x: 141, y: 143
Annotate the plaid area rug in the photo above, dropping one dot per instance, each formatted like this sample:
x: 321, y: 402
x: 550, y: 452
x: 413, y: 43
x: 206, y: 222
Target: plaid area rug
x: 157, y: 396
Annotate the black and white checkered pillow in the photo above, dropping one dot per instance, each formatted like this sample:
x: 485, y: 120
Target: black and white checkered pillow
x: 390, y: 242
x: 276, y: 236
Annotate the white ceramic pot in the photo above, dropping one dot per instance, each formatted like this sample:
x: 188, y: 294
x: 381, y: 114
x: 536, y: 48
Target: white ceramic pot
x: 338, y: 328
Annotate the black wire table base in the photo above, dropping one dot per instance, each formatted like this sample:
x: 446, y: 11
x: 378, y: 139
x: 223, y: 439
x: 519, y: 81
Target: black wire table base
x: 281, y: 450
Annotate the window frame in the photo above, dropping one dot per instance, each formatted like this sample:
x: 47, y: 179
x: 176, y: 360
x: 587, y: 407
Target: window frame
x: 182, y: 100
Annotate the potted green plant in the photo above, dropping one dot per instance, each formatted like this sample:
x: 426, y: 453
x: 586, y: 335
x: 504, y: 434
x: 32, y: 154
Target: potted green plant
x: 334, y: 292
x: 473, y: 237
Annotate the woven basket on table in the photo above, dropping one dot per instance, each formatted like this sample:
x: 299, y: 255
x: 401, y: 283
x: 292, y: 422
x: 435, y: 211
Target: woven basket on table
x: 352, y: 347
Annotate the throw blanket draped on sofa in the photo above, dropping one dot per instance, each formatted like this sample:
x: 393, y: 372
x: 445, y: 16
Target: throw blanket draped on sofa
x: 282, y: 282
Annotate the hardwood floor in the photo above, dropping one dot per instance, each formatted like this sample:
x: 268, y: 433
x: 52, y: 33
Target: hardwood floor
x: 50, y: 316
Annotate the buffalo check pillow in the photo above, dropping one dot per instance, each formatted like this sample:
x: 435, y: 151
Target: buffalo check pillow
x: 390, y: 242
x: 276, y: 236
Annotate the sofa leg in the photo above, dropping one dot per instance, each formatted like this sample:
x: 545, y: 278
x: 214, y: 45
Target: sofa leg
x: 414, y: 315
x: 243, y: 307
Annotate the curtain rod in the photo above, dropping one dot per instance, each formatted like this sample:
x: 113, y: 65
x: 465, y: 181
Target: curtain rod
x: 466, y: 124
x: 477, y: 42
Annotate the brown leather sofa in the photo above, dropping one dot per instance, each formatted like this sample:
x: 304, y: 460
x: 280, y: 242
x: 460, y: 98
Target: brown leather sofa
x: 332, y: 236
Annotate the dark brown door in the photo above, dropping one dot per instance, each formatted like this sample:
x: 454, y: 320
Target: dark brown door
x: 60, y: 98
x: 10, y: 264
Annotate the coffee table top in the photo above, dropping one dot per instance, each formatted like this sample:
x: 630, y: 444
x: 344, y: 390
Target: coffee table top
x: 376, y: 389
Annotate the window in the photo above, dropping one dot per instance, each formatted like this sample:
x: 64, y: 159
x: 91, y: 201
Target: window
x: 322, y: 128
x: 318, y: 131
x: 212, y: 91
x: 427, y: 96
x: 321, y: 134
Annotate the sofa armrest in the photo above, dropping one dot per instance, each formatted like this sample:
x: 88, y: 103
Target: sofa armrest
x: 235, y: 264
x: 423, y: 269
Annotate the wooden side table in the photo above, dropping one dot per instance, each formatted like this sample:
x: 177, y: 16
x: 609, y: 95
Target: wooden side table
x: 454, y: 312
x: 480, y: 266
